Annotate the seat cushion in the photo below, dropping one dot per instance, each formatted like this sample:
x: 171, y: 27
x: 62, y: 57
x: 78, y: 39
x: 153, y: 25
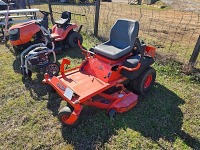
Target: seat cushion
x: 111, y: 51
x: 61, y: 21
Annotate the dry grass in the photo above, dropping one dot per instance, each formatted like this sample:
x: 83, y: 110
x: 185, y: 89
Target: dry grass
x: 165, y: 118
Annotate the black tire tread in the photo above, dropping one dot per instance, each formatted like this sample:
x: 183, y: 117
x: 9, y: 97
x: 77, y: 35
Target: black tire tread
x: 71, y: 36
x: 112, y: 113
x: 137, y: 85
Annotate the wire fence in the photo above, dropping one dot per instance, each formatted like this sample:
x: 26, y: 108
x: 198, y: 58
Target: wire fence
x: 82, y: 13
x: 173, y: 32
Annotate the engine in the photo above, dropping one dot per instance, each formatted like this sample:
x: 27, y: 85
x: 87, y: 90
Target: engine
x: 40, y: 58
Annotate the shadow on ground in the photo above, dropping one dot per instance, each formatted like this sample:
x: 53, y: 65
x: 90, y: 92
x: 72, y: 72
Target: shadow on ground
x: 71, y: 53
x: 156, y: 116
x: 35, y: 86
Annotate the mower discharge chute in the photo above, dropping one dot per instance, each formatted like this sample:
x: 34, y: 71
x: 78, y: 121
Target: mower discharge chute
x: 111, y: 77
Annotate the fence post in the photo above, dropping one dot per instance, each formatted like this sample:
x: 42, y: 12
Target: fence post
x: 28, y: 3
x: 195, y: 54
x: 96, y: 23
x: 51, y: 12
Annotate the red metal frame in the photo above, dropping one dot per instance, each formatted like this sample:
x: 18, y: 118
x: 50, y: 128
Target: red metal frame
x: 150, y: 50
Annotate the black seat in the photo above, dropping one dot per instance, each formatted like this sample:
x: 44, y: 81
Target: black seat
x: 65, y: 19
x: 122, y: 39
x: 132, y: 62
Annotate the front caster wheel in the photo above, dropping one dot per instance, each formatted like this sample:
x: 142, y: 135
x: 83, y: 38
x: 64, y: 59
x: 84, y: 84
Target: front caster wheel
x: 73, y: 37
x: 64, y: 114
x: 112, y: 113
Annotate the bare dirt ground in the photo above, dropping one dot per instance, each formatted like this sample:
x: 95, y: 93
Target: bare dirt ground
x: 172, y: 31
x: 190, y: 5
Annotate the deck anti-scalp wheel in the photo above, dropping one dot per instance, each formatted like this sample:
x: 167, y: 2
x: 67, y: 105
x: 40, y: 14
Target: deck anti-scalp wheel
x: 143, y: 83
x: 112, y: 113
x: 52, y: 69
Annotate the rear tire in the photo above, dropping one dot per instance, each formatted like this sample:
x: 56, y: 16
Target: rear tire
x: 73, y: 37
x: 143, y: 83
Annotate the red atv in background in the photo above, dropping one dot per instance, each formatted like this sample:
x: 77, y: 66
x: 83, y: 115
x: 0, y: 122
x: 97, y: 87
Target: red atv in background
x: 64, y: 33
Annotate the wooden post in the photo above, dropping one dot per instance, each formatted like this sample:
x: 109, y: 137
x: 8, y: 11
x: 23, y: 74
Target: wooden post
x: 28, y: 3
x: 195, y: 53
x: 96, y: 23
x: 51, y: 12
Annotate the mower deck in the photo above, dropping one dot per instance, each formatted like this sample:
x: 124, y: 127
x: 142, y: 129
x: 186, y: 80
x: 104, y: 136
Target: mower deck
x: 80, y: 88
x: 83, y: 84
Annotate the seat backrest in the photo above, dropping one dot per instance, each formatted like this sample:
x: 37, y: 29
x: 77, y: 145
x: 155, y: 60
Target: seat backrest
x: 66, y: 15
x: 124, y: 33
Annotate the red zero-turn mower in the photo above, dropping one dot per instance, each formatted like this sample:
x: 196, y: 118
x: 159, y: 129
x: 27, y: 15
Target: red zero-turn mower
x: 65, y: 34
x: 111, y: 77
